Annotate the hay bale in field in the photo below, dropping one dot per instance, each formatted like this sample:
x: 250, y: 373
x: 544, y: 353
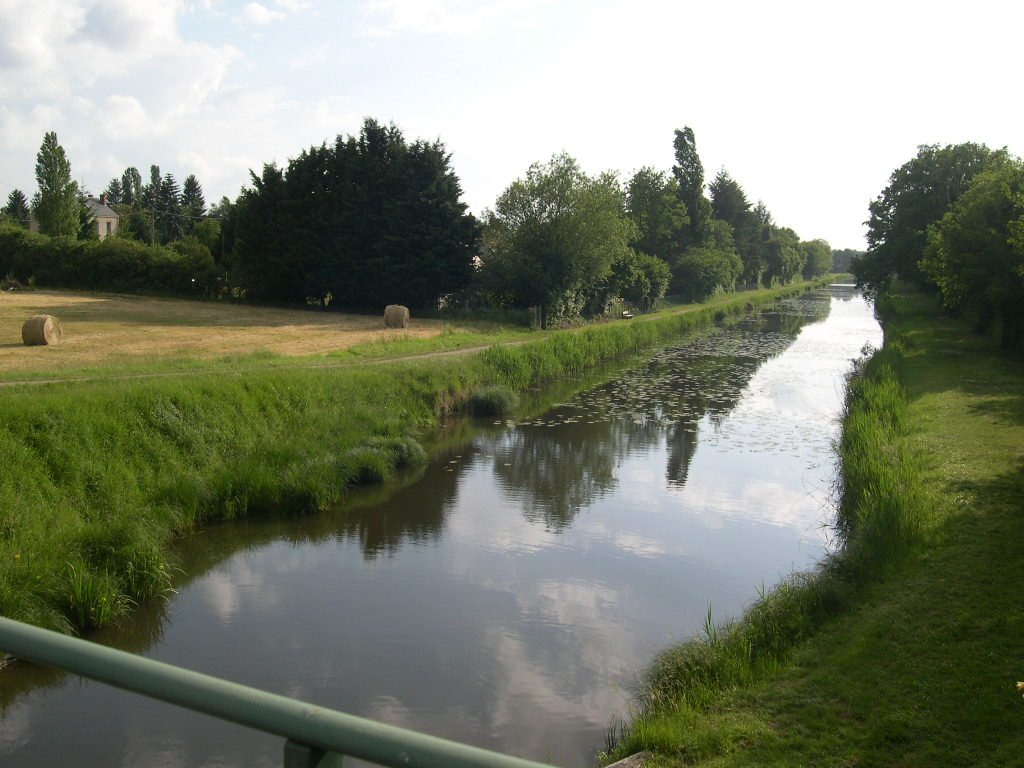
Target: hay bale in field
x: 396, y: 316
x: 41, y: 329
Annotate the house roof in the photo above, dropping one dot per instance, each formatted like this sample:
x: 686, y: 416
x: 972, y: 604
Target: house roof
x: 98, y: 209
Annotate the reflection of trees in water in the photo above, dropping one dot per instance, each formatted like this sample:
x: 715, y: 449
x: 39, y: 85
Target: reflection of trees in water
x: 415, y: 512
x: 554, y: 472
x: 564, y: 461
x: 844, y: 293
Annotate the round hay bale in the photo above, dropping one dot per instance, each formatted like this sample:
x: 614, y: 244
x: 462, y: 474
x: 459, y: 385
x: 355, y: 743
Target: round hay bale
x: 396, y: 316
x: 41, y: 329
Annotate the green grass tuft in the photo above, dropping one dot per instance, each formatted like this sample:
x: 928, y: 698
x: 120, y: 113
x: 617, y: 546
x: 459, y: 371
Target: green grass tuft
x: 492, y: 401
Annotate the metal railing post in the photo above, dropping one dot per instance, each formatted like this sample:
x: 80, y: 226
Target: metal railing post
x: 298, y: 755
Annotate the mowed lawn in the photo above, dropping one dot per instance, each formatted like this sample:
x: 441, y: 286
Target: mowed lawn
x: 111, y: 330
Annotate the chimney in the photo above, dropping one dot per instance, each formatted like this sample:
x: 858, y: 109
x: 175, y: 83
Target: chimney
x: 103, y: 198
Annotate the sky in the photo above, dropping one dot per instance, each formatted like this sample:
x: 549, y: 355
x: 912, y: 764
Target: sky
x: 810, y: 106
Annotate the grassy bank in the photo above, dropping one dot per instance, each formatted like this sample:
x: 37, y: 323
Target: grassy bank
x: 102, y: 475
x: 905, y: 648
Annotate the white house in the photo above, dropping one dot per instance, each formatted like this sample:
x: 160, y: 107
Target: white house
x: 104, y: 217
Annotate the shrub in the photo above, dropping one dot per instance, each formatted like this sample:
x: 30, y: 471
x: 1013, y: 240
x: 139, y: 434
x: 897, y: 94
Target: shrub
x: 492, y: 401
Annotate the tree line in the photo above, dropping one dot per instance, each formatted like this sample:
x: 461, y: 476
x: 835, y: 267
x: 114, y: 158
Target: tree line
x: 571, y: 242
x: 372, y: 219
x: 951, y: 221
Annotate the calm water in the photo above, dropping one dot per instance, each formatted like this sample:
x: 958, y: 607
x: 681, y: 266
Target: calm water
x: 511, y: 593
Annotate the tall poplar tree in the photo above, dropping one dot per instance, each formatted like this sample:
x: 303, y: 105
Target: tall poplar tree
x: 131, y: 186
x: 55, y: 204
x: 689, y: 173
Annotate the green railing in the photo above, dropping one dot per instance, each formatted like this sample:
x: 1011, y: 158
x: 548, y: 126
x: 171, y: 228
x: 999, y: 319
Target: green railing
x: 316, y: 737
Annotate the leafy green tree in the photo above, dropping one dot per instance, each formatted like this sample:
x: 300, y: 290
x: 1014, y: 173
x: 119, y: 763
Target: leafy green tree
x: 703, y: 270
x: 918, y: 194
x: 658, y: 276
x: 554, y: 236
x: 689, y: 174
x: 17, y: 207
x: 131, y: 186
x: 639, y: 278
x: 817, y: 255
x: 974, y: 252
x: 783, y: 258
x: 653, y: 203
x: 207, y: 232
x: 55, y: 205
x: 843, y: 259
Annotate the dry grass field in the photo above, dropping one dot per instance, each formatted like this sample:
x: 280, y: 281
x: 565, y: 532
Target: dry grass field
x: 103, y: 330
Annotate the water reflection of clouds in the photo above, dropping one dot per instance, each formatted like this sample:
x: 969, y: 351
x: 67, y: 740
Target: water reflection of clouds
x: 238, y: 586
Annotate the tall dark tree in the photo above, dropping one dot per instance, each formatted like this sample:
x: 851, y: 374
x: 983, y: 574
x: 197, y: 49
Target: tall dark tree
x: 728, y: 200
x: 17, y: 207
x: 55, y: 204
x: 150, y: 193
x: 193, y: 204
x: 224, y: 213
x: 170, y: 223
x: 689, y: 174
x: 114, y: 192
x: 369, y: 220
x: 729, y: 203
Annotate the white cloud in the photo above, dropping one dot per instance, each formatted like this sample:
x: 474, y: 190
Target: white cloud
x: 386, y: 18
x: 124, y: 116
x: 256, y: 13
x: 310, y: 59
x: 294, y: 6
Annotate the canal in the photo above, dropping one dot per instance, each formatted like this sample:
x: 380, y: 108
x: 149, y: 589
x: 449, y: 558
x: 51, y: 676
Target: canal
x: 510, y: 593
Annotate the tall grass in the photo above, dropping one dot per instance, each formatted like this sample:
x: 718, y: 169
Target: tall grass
x: 879, y: 522
x: 101, y: 477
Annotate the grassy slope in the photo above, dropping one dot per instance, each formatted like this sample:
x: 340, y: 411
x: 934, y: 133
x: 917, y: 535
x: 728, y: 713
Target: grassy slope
x: 921, y: 671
